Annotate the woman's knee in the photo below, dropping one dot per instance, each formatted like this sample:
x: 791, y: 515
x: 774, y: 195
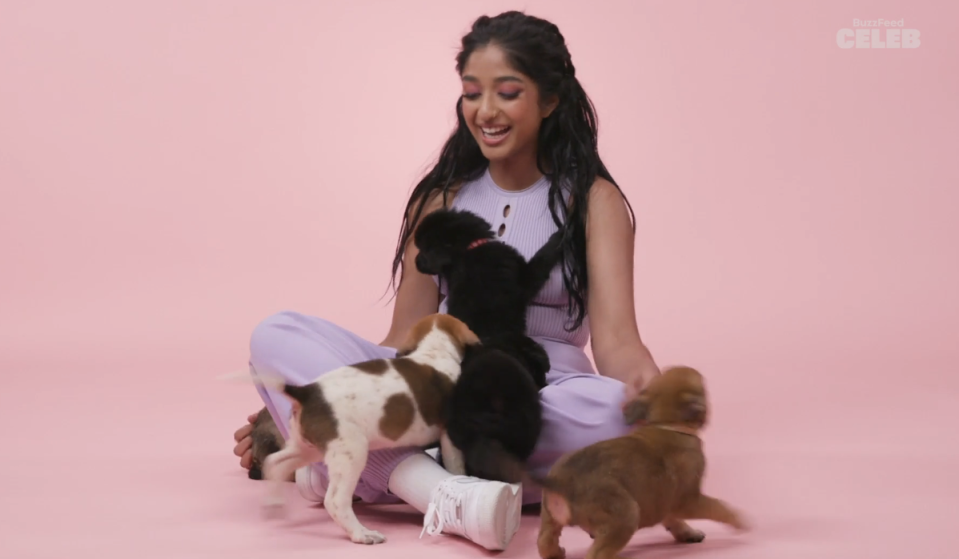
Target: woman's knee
x: 613, y: 423
x: 583, y: 410
x: 267, y: 335
x: 277, y: 336
x: 302, y: 347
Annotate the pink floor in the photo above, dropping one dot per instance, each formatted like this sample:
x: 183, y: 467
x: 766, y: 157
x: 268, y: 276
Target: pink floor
x: 99, y: 462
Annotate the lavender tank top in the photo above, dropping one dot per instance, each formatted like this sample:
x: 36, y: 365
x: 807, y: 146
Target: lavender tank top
x: 526, y: 223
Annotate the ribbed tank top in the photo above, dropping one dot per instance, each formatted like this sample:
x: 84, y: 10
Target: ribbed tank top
x: 526, y: 224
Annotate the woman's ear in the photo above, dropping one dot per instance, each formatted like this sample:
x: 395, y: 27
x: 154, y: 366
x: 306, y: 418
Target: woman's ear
x: 547, y: 108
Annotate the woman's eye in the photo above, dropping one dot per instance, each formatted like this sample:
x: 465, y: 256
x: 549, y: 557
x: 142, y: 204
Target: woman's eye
x: 509, y: 96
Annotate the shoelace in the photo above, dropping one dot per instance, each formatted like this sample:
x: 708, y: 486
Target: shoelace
x: 444, y: 508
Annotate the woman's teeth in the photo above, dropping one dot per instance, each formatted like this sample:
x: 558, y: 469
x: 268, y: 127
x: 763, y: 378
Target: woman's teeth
x: 494, y: 132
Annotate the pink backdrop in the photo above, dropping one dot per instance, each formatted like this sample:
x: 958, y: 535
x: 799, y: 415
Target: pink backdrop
x: 172, y: 172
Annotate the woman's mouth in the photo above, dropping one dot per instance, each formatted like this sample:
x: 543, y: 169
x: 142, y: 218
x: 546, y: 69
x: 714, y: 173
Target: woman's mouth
x: 494, y: 135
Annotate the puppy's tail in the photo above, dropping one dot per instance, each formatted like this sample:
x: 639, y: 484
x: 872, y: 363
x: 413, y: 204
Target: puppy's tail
x: 494, y: 458
x: 489, y: 457
x: 554, y: 495
x: 274, y: 382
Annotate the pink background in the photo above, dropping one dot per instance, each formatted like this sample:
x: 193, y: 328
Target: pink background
x: 172, y: 172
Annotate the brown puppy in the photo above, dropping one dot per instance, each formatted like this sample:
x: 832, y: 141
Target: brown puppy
x: 266, y: 440
x: 651, y: 476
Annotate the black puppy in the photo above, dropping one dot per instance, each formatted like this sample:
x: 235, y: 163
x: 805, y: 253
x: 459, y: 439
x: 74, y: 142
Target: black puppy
x: 494, y: 406
x: 493, y: 414
x: 489, y: 284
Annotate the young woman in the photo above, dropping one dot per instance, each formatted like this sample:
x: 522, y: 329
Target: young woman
x: 524, y: 157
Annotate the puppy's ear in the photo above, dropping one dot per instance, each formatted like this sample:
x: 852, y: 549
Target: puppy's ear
x: 425, y: 265
x: 407, y: 347
x: 458, y: 330
x: 636, y: 411
x: 415, y: 336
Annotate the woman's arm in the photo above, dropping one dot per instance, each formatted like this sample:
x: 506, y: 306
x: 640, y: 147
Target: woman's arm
x: 617, y: 346
x: 417, y: 295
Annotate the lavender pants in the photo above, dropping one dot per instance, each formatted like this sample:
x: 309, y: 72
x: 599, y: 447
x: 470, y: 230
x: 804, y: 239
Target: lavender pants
x: 580, y: 407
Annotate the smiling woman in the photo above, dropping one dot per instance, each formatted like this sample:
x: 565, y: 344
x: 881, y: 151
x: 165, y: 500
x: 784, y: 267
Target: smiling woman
x: 500, y: 110
x: 524, y: 157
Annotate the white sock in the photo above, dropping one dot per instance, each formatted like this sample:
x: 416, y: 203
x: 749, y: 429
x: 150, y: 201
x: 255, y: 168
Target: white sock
x: 413, y: 480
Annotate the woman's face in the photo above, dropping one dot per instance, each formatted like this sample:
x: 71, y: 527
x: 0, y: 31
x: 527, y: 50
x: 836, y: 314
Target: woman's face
x: 501, y: 106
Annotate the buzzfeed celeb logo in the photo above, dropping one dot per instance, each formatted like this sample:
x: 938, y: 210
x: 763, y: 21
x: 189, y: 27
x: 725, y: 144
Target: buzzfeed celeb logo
x: 878, y: 34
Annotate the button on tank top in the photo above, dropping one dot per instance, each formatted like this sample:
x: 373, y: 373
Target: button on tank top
x: 522, y: 219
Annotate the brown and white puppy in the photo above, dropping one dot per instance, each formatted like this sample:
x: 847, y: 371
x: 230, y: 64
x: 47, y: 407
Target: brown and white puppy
x: 378, y: 404
x: 651, y: 476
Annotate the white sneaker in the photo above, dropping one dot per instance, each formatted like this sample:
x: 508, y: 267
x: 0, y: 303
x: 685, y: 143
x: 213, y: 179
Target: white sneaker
x: 311, y: 483
x: 485, y: 512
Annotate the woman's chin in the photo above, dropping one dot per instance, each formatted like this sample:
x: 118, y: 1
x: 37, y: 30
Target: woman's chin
x: 497, y: 153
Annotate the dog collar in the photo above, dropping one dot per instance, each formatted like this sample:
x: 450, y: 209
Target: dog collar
x: 477, y: 243
x: 676, y: 428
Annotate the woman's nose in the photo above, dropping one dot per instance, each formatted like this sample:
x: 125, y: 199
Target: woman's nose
x: 487, y: 110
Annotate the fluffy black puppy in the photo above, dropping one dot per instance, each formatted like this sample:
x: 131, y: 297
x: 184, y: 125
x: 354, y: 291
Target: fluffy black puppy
x: 494, y: 406
x: 489, y: 284
x: 493, y: 414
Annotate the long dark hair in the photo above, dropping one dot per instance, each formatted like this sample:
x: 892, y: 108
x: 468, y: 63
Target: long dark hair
x: 567, y: 144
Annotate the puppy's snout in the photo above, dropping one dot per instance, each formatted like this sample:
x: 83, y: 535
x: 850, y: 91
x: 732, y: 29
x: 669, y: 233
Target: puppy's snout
x: 635, y: 411
x: 423, y: 264
x: 696, y: 411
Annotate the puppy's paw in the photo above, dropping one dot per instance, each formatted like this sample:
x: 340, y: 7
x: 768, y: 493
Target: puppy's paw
x: 690, y: 535
x: 553, y: 553
x: 367, y: 537
x: 739, y: 522
x: 453, y: 459
x: 548, y: 546
x: 682, y: 532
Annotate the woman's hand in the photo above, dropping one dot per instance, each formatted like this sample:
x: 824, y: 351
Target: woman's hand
x: 639, y: 379
x: 244, y: 442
